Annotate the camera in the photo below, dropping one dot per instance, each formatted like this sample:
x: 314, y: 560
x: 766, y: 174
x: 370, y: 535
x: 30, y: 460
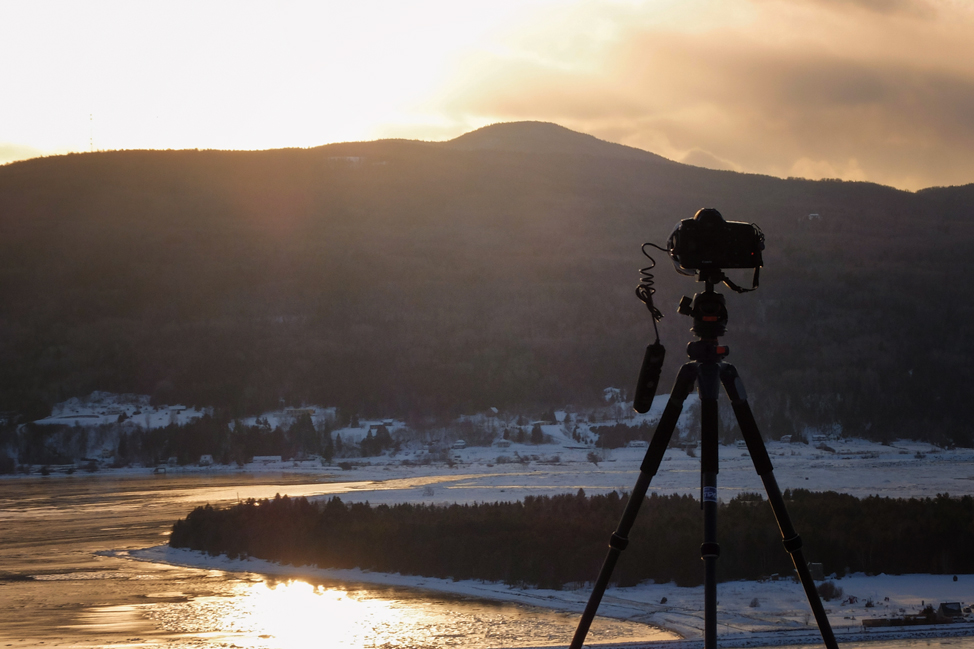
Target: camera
x: 708, y: 242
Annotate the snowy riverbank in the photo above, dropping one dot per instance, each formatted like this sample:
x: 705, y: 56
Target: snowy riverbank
x: 751, y: 614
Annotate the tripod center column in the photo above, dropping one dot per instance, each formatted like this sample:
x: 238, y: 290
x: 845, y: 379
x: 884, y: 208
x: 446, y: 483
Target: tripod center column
x: 708, y: 384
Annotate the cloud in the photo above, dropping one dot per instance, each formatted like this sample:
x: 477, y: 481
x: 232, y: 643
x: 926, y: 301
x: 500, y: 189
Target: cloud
x: 861, y: 89
x: 701, y: 158
x: 913, y: 8
x: 907, y: 7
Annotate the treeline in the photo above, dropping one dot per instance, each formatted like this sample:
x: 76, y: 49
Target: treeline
x: 551, y: 542
x: 226, y: 441
x: 619, y: 435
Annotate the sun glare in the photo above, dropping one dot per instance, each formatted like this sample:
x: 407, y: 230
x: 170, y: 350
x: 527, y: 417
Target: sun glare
x: 233, y: 75
x: 296, y: 614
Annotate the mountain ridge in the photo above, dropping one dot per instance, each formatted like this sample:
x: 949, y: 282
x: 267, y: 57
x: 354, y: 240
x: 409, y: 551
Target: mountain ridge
x: 523, y: 137
x: 544, y: 137
x: 401, y: 277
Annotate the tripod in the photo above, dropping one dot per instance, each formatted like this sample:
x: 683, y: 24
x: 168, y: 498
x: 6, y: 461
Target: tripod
x: 707, y: 369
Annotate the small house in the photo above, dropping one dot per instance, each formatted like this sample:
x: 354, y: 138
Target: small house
x: 950, y: 612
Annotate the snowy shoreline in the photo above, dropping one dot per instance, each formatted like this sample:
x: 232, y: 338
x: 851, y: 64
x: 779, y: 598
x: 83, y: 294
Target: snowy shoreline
x: 779, y: 619
x: 831, y: 462
x: 903, y: 469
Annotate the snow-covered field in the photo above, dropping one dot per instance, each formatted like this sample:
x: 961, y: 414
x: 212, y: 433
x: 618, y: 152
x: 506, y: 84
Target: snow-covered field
x: 508, y: 469
x: 903, y: 469
x: 564, y: 462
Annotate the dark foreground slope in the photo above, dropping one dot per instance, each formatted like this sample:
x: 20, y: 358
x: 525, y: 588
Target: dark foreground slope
x: 496, y: 270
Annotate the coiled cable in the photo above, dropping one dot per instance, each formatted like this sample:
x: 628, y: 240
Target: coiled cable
x: 645, y: 290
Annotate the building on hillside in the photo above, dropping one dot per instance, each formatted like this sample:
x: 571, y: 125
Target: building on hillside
x: 950, y: 612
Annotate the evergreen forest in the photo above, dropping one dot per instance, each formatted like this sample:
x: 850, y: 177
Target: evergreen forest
x: 560, y: 541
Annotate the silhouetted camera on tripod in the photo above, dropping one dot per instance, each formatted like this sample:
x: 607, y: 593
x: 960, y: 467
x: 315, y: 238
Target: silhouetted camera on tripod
x: 703, y: 246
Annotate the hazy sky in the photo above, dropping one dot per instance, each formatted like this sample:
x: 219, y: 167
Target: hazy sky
x: 879, y: 90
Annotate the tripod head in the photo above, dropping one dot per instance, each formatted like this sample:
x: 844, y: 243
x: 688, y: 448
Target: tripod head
x: 709, y: 313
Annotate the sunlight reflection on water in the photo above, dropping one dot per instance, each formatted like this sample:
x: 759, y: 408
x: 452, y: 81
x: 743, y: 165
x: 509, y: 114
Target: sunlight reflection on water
x: 60, y: 586
x: 293, y: 614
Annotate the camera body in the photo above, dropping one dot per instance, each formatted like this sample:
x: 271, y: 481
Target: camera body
x: 708, y: 242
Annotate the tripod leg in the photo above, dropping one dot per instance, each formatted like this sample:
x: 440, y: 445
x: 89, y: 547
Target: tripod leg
x: 762, y: 464
x: 708, y: 385
x: 650, y: 465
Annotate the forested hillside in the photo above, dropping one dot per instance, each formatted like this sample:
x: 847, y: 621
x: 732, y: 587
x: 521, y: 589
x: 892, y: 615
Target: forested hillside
x: 409, y: 278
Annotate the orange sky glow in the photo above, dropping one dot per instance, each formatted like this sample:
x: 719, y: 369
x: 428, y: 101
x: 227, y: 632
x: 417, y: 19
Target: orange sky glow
x: 876, y: 90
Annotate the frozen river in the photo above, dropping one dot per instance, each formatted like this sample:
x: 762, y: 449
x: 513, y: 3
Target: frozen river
x: 64, y: 580
x: 57, y: 590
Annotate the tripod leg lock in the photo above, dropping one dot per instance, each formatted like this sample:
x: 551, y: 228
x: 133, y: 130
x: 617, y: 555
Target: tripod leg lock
x: 732, y: 383
x: 709, y: 550
x: 792, y: 544
x: 617, y: 542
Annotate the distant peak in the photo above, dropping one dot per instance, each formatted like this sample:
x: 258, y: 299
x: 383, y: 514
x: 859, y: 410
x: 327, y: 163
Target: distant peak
x: 542, y: 137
